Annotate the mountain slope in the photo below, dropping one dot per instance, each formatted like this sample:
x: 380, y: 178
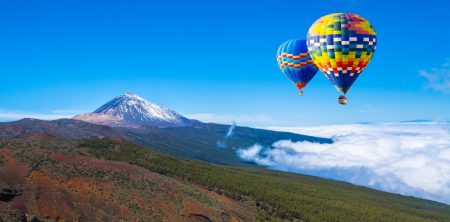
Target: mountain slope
x: 125, y: 181
x: 198, y: 141
x: 130, y: 110
x: 51, y: 179
x: 64, y: 128
x: 279, y: 195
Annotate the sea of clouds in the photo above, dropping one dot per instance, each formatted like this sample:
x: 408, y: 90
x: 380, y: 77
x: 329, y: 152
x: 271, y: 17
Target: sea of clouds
x: 408, y: 158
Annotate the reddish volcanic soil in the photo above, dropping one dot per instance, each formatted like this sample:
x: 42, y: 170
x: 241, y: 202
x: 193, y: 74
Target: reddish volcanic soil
x: 66, y: 184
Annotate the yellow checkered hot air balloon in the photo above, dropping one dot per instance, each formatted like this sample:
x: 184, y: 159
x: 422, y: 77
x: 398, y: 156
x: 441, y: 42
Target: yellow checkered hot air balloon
x: 341, y: 45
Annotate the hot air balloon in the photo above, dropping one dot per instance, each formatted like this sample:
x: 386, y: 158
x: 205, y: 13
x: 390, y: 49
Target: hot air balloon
x: 341, y: 45
x: 294, y: 61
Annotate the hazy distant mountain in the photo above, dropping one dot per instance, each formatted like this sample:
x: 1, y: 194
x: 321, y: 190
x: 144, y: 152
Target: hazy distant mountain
x: 130, y: 110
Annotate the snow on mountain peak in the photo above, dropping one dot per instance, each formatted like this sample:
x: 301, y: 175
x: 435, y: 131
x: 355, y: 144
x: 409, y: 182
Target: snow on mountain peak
x: 132, y: 95
x: 131, y: 110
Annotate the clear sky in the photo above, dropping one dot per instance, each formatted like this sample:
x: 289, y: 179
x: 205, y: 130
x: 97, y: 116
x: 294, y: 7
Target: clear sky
x: 216, y: 59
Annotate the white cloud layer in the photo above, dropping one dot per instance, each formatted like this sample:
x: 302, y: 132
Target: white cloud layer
x: 438, y: 79
x: 15, y: 115
x: 405, y: 158
x: 228, y: 118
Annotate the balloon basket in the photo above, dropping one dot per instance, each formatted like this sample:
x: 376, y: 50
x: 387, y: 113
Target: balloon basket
x: 342, y: 100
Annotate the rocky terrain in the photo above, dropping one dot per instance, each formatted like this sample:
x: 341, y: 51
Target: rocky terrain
x: 43, y: 178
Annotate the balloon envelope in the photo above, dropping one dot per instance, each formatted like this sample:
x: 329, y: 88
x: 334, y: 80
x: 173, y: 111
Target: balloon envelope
x: 341, y: 45
x: 294, y: 61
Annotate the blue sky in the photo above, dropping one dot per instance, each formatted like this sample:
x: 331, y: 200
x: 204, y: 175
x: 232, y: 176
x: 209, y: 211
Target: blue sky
x: 216, y: 59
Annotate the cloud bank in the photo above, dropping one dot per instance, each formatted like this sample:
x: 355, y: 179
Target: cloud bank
x: 438, y: 79
x: 257, y: 119
x: 9, y: 115
x: 405, y: 158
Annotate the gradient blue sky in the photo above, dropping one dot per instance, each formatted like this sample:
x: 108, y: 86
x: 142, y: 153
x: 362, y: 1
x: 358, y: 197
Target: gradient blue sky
x: 217, y: 58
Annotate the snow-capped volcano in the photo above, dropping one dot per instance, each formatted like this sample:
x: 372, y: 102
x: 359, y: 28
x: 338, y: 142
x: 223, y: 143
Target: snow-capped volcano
x: 130, y: 110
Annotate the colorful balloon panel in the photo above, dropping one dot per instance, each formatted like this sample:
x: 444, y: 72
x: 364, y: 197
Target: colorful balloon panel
x: 294, y: 61
x: 341, y: 45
